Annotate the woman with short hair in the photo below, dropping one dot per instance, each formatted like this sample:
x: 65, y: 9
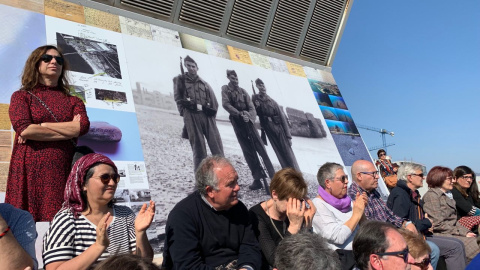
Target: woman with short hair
x: 286, y: 213
x: 90, y: 227
x: 441, y: 209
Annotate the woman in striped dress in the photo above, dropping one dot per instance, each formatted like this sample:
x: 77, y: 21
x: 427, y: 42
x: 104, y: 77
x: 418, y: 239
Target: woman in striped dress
x: 89, y: 228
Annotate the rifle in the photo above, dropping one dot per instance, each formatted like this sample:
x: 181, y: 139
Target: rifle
x: 251, y: 137
x: 263, y: 136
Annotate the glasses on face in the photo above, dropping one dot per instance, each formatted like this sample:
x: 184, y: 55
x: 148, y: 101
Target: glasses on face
x: 374, y: 174
x: 423, y: 264
x: 402, y: 254
x: 382, y: 154
x: 343, y: 178
x: 467, y: 177
x: 418, y: 174
x: 105, y: 178
x: 47, y: 58
x: 449, y: 178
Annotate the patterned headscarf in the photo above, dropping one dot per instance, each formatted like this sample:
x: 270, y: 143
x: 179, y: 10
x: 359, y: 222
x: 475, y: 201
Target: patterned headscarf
x: 73, y: 189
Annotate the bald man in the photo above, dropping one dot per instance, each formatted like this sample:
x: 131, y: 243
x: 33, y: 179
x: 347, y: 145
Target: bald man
x: 365, y: 179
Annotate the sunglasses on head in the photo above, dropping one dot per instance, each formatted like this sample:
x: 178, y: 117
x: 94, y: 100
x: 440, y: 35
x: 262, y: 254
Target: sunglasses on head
x: 47, y: 58
x: 403, y: 254
x: 423, y: 264
x: 105, y: 178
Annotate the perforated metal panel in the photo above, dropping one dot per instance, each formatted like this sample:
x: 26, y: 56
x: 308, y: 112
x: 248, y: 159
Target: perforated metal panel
x: 206, y: 13
x: 322, y: 29
x: 159, y: 7
x: 248, y: 20
x: 287, y: 25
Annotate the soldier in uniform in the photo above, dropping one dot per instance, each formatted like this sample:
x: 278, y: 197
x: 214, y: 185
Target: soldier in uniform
x: 242, y: 116
x: 198, y: 105
x: 274, y: 124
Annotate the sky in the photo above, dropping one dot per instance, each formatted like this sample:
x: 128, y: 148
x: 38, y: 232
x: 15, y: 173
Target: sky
x: 413, y: 67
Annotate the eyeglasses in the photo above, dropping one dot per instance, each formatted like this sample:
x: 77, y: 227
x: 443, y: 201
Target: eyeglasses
x: 467, y: 177
x: 343, y: 178
x: 403, y: 253
x: 374, y: 174
x: 418, y: 174
x: 47, y: 58
x: 382, y: 154
x: 105, y: 178
x: 423, y: 264
x: 449, y: 178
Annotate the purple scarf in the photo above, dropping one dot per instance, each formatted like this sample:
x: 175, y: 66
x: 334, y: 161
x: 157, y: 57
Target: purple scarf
x: 343, y: 204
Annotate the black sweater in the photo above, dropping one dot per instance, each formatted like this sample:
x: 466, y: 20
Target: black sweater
x: 199, y: 237
x: 405, y: 206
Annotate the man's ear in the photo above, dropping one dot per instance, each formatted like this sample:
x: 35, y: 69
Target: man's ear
x: 375, y: 261
x: 274, y: 195
x: 209, y: 191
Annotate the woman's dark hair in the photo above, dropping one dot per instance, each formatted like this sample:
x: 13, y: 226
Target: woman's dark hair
x: 83, y: 194
x: 127, y: 261
x: 437, y: 175
x: 472, y: 191
x: 31, y: 75
x: 380, y: 151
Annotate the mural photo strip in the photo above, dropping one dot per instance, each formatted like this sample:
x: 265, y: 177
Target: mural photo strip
x: 148, y: 88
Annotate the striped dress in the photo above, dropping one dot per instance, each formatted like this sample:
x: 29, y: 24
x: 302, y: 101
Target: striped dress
x: 68, y: 237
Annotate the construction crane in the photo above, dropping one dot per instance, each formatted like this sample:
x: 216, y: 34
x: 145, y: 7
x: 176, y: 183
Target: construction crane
x: 381, y: 131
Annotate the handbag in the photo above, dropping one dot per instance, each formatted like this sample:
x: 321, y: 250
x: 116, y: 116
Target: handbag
x: 81, y: 150
x: 391, y: 181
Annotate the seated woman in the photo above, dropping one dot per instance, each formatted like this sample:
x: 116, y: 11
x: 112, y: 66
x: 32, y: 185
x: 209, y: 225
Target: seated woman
x: 337, y: 218
x: 284, y: 214
x: 442, y: 211
x: 465, y: 194
x: 419, y: 249
x: 89, y: 228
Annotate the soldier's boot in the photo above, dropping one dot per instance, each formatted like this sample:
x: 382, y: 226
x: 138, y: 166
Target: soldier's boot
x: 184, y: 133
x: 257, y: 184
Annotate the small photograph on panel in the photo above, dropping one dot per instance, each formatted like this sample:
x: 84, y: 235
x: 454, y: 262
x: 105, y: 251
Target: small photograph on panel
x: 90, y: 56
x: 323, y: 99
x: 122, y: 195
x: 111, y: 96
x: 329, y: 113
x: 336, y: 127
x: 338, y: 102
x: 140, y: 195
x: 324, y: 87
x: 343, y: 115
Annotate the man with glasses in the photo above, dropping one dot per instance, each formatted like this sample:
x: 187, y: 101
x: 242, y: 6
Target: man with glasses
x: 365, y: 179
x: 405, y: 202
x: 378, y: 245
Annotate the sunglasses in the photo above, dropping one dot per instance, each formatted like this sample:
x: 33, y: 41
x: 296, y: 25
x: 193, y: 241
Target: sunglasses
x: 403, y: 254
x: 418, y: 174
x: 343, y: 178
x: 423, y: 264
x: 467, y: 177
x: 47, y: 58
x: 105, y: 178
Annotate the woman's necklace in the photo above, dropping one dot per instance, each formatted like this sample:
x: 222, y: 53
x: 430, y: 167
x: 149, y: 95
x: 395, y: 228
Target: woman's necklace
x: 273, y: 224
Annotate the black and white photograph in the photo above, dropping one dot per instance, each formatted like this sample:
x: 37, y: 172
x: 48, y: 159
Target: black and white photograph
x: 90, y: 56
x: 110, y: 96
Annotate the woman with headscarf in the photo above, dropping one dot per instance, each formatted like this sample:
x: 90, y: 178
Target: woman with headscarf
x: 89, y: 228
x: 47, y: 121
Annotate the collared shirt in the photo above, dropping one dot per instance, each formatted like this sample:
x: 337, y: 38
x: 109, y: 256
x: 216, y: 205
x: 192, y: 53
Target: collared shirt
x: 207, y: 202
x: 376, y: 208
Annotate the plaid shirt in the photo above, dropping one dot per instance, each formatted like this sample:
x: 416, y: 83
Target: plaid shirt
x: 376, y: 208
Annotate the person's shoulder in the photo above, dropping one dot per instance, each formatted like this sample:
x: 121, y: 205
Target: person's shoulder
x: 20, y: 93
x: 122, y: 210
x: 257, y: 209
x: 14, y: 215
x: 187, y: 204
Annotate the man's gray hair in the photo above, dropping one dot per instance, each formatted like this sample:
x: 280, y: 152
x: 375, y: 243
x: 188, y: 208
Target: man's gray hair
x: 327, y: 171
x: 408, y: 168
x: 205, y: 174
x: 306, y: 251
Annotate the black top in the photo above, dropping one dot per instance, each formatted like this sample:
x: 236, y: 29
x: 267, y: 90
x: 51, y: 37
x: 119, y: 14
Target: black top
x: 407, y: 204
x: 199, y: 237
x: 266, y: 234
x: 464, y: 205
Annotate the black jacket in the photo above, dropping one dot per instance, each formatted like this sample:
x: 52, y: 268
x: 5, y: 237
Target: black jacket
x: 404, y: 205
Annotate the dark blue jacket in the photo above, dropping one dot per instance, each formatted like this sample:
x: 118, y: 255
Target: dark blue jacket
x: 404, y: 205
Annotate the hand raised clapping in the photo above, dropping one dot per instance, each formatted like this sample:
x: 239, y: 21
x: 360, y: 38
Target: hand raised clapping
x: 145, y: 217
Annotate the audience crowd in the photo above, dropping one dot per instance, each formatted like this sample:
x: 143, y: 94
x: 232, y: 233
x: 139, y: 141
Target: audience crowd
x: 348, y: 225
